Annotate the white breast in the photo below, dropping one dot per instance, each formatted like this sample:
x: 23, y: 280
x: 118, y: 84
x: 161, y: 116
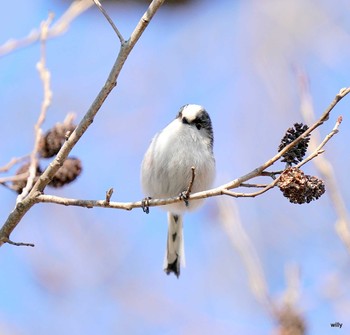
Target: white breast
x: 166, y: 168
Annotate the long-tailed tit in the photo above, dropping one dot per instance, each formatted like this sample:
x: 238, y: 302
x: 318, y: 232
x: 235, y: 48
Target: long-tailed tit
x: 166, y: 172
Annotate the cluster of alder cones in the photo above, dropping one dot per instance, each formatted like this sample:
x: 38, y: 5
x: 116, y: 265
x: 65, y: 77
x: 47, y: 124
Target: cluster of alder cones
x: 49, y: 146
x: 294, y: 184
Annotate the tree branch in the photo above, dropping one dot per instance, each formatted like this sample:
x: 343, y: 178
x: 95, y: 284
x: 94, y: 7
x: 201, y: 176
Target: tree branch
x: 258, y: 171
x: 22, y: 207
x: 99, y: 6
x: 221, y: 190
x: 13, y: 162
x: 61, y: 26
x: 342, y: 225
x: 36, y: 196
x: 318, y: 150
x: 45, y: 78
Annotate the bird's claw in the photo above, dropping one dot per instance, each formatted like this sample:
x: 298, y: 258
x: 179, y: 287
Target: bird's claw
x: 145, y: 204
x: 184, y: 196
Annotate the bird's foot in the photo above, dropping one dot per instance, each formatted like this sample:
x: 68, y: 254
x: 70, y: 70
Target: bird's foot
x: 145, y: 204
x: 185, y: 196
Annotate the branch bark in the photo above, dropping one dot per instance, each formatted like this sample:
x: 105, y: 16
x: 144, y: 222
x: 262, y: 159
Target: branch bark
x: 45, y: 78
x: 60, y: 27
x: 23, y: 206
x: 220, y: 190
x: 325, y: 168
x: 36, y: 194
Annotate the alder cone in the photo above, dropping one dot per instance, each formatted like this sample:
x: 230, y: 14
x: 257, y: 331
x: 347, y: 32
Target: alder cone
x: 297, y: 153
x: 300, y: 188
x: 19, y: 185
x: 67, y: 173
x: 291, y: 322
x: 51, y: 143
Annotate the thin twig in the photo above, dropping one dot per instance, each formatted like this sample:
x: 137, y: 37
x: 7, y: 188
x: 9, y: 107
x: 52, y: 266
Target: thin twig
x: 317, y: 151
x: 109, y: 195
x: 249, y: 185
x: 221, y: 190
x: 342, y: 225
x: 17, y: 177
x: 103, y: 11
x: 19, y: 244
x: 61, y: 26
x: 36, y: 196
x: 292, y: 293
x: 271, y: 174
x: 189, y: 188
x: 239, y: 239
x: 13, y: 162
x: 45, y: 78
x: 257, y: 172
x: 24, y: 206
x: 253, y: 194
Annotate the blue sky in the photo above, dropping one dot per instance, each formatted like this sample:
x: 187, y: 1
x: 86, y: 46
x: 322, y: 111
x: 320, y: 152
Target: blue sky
x: 100, y: 271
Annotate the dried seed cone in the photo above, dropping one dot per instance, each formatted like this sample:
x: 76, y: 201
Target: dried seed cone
x: 68, y: 172
x: 297, y: 153
x: 53, y: 140
x: 290, y: 322
x: 300, y: 188
x: 19, y: 185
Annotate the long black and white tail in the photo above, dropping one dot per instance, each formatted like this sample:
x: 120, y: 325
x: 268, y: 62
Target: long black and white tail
x: 175, y: 252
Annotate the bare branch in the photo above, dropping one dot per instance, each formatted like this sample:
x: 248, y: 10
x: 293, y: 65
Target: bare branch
x: 99, y: 6
x: 231, y: 222
x: 36, y: 196
x: 292, y: 294
x: 17, y: 177
x: 221, y: 190
x: 249, y: 185
x: 241, y: 242
x: 256, y: 172
x: 13, y: 162
x: 61, y: 26
x: 253, y: 194
x: 109, y: 195
x: 189, y: 188
x: 22, y: 207
x: 318, y: 150
x: 20, y: 244
x: 45, y: 78
x: 342, y: 225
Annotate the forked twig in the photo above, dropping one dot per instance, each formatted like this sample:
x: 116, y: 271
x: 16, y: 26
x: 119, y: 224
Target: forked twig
x: 59, y: 27
x: 17, y: 244
x: 218, y: 191
x: 13, y: 162
x: 342, y: 225
x: 109, y: 195
x: 45, y: 78
x: 103, y: 11
x: 189, y: 188
x: 25, y: 203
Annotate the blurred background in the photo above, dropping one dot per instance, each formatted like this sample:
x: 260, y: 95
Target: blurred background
x: 99, y: 271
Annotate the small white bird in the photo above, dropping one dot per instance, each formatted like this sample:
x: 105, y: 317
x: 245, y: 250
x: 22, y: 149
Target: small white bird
x: 166, y: 171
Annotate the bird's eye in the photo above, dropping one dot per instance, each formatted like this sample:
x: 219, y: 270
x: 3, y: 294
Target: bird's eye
x: 185, y: 121
x: 198, y: 126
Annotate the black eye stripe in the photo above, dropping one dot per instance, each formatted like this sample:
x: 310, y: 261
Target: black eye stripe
x: 199, y: 122
x: 202, y: 121
x: 196, y: 122
x: 185, y: 121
